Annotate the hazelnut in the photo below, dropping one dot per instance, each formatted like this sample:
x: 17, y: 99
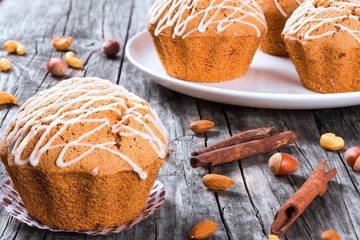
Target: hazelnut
x: 352, y: 157
x: 282, y: 164
x: 110, y: 48
x: 57, y: 67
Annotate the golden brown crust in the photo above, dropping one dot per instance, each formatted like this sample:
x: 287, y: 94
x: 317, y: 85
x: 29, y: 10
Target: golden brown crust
x: 273, y: 43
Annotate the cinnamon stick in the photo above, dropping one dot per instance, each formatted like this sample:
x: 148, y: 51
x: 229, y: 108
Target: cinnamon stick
x: 243, y: 150
x: 315, y: 185
x: 246, y: 136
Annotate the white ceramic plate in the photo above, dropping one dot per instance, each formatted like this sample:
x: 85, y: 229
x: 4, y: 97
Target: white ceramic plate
x: 270, y: 82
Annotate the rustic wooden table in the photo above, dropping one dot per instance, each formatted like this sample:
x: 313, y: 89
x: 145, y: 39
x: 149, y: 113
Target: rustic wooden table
x: 245, y: 211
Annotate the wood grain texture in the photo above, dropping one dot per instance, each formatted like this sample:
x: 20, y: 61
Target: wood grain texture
x: 246, y: 210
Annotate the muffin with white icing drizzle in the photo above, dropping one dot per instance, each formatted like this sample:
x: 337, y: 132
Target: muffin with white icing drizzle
x: 206, y: 40
x: 84, y: 154
x: 323, y: 40
x: 276, y: 13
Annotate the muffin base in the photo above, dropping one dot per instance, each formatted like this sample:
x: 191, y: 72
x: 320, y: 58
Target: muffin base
x: 81, y: 201
x: 212, y: 59
x: 324, y: 67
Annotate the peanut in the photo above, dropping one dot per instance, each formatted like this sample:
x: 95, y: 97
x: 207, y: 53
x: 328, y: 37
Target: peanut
x: 273, y: 237
x: 72, y: 61
x: 330, y: 141
x: 13, y: 46
x: 20, y: 49
x: 5, y: 64
x: 61, y: 44
x: 10, y: 46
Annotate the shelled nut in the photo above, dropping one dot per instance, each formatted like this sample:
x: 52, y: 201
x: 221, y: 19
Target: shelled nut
x: 13, y: 46
x: 330, y: 235
x: 5, y: 64
x: 72, y: 61
x: 217, y: 182
x: 203, y: 229
x: 282, y: 164
x: 330, y: 141
x: 61, y: 44
x: 202, y: 126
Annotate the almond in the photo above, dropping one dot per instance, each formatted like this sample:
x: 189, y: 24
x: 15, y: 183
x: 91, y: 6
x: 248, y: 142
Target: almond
x: 7, y: 98
x: 203, y: 229
x: 202, y: 126
x: 217, y: 182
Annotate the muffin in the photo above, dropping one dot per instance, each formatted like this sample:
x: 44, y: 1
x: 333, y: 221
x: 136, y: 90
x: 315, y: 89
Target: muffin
x: 206, y: 40
x: 323, y: 40
x: 276, y: 13
x: 84, y: 154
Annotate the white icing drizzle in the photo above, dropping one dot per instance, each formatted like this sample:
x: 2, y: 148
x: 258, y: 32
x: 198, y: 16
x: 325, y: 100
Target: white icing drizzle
x: 30, y: 120
x: 307, y: 13
x: 281, y: 10
x: 95, y: 171
x: 181, y: 12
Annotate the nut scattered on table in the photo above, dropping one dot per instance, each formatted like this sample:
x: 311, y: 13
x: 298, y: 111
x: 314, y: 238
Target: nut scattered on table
x: 217, y: 182
x: 7, y: 98
x: 273, y: 237
x: 110, y: 48
x: 57, y: 67
x: 330, y: 235
x: 202, y: 126
x: 282, y: 164
x: 5, y: 64
x: 203, y: 229
x: 352, y: 157
x: 13, y: 46
x: 72, y: 61
x: 330, y: 141
x: 20, y: 50
x: 61, y: 44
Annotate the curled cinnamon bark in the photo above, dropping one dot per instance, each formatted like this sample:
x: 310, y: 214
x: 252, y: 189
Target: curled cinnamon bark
x: 243, y: 150
x: 246, y: 136
x: 315, y: 185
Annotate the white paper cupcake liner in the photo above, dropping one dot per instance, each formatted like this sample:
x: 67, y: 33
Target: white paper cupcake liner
x: 12, y: 203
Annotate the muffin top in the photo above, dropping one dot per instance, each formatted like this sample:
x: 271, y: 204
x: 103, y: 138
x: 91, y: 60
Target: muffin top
x: 86, y: 125
x: 183, y: 18
x: 285, y: 7
x: 325, y: 20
